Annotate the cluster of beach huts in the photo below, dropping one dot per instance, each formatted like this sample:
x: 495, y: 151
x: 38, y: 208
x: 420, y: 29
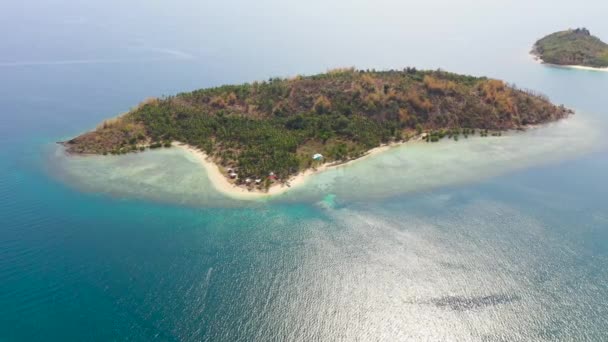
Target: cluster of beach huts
x: 233, y: 174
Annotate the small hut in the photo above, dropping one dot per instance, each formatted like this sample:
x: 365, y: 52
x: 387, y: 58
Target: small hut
x: 232, y: 174
x: 317, y: 157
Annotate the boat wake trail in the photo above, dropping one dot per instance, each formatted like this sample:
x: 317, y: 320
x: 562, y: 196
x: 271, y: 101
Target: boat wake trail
x: 164, y: 54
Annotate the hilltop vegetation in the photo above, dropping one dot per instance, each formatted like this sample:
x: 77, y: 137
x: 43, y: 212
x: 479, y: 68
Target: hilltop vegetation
x: 277, y: 125
x: 572, y: 47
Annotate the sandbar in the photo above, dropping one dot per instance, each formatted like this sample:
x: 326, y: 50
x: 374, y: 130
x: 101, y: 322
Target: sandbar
x: 223, y: 185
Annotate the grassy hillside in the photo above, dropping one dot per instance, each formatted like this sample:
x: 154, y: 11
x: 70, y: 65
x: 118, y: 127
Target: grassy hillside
x: 572, y: 47
x: 277, y: 125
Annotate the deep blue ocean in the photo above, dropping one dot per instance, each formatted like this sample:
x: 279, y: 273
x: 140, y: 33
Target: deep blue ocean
x: 507, y: 245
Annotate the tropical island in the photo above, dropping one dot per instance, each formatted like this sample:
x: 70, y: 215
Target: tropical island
x: 572, y: 48
x: 262, y: 134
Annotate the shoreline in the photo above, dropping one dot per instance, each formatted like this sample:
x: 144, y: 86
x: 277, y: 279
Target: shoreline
x: 577, y: 67
x: 225, y: 187
x: 222, y: 184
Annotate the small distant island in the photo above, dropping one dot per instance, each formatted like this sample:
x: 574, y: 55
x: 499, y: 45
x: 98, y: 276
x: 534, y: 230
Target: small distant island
x: 262, y: 134
x: 574, y: 47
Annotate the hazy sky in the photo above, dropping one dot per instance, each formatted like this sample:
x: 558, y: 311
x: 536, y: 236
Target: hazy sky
x: 245, y: 40
x: 68, y: 30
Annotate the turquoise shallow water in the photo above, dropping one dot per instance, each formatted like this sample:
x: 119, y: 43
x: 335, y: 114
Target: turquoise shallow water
x: 482, y: 240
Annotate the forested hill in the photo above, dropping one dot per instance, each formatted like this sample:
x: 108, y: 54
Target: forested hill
x: 277, y: 125
x: 572, y: 47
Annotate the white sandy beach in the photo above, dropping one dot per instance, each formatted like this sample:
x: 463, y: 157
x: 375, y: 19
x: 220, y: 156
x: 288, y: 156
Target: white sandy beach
x: 224, y: 186
x: 579, y: 67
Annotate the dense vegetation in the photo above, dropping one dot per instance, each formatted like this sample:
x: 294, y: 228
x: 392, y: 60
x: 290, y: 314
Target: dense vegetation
x: 572, y: 47
x: 277, y: 125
